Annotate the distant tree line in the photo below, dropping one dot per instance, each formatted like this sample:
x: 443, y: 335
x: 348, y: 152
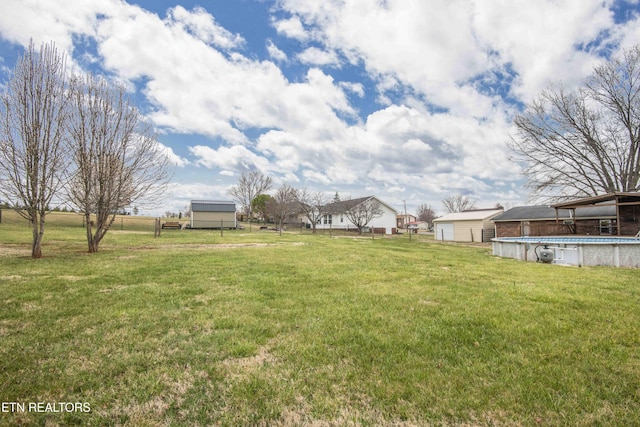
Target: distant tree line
x: 251, y: 194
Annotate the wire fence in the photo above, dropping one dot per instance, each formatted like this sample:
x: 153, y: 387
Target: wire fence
x: 71, y: 219
x: 148, y: 223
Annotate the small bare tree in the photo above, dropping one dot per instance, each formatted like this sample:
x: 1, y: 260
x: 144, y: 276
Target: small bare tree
x: 283, y: 204
x: 426, y: 213
x: 116, y: 157
x: 458, y: 203
x: 585, y: 142
x: 312, y: 205
x: 250, y: 185
x: 361, y: 213
x: 32, y: 133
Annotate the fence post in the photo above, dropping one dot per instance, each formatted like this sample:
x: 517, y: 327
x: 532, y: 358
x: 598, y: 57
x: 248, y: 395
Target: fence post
x: 158, y: 227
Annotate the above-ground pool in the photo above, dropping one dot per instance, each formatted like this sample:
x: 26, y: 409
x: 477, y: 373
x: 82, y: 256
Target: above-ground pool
x: 587, y: 250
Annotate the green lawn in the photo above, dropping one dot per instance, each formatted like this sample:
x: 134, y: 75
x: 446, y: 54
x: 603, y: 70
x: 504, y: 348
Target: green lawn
x: 253, y: 328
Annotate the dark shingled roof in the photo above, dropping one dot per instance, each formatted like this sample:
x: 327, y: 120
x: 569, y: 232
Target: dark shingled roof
x: 212, y: 206
x: 525, y: 213
x: 343, y: 205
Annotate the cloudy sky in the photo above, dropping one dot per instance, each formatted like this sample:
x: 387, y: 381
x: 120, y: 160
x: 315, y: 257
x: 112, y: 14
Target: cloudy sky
x: 410, y: 100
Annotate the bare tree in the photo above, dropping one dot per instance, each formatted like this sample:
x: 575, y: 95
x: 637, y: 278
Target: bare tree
x: 458, y: 203
x: 586, y: 142
x: 250, y: 185
x: 361, y: 213
x: 426, y: 213
x: 32, y: 135
x: 116, y: 157
x: 312, y: 205
x: 283, y: 204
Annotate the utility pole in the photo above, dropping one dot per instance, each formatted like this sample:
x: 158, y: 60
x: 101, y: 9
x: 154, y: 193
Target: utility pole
x: 406, y: 226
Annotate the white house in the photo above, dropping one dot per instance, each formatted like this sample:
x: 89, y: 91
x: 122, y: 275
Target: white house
x: 340, y: 215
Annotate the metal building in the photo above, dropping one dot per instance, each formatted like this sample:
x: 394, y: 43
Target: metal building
x: 213, y: 214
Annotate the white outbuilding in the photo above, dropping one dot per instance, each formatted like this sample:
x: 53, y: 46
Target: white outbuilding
x: 213, y: 214
x: 467, y: 226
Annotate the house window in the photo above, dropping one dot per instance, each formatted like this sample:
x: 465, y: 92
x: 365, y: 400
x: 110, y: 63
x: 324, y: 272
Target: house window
x: 341, y: 218
x: 328, y: 219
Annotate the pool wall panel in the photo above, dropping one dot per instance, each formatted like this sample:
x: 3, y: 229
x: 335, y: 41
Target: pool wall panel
x: 572, y: 251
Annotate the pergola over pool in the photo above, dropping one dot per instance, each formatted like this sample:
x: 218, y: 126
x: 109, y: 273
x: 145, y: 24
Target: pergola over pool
x: 627, y: 210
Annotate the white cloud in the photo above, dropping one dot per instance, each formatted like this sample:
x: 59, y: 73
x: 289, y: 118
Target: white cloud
x: 318, y: 57
x: 539, y: 39
x: 229, y: 158
x: 291, y: 28
x: 629, y: 33
x: 439, y: 47
x: 16, y: 29
x: 356, y: 88
x: 23, y: 20
x: 203, y: 26
x: 275, y: 53
x: 174, y: 159
x: 429, y: 45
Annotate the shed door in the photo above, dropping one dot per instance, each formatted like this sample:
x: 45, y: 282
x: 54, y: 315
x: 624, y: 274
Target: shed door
x: 444, y: 231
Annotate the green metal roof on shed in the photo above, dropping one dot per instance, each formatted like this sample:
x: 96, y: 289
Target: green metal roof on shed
x: 212, y: 206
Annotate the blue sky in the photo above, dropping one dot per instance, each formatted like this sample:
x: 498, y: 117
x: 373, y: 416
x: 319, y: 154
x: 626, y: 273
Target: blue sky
x: 410, y: 100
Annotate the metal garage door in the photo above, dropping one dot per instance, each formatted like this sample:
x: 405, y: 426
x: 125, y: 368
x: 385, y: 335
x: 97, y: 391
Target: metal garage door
x: 444, y: 231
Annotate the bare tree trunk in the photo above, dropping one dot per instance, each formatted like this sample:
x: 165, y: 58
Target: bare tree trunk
x: 89, y: 232
x: 38, y: 234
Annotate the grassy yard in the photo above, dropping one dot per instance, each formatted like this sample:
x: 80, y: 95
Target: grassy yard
x: 194, y: 328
